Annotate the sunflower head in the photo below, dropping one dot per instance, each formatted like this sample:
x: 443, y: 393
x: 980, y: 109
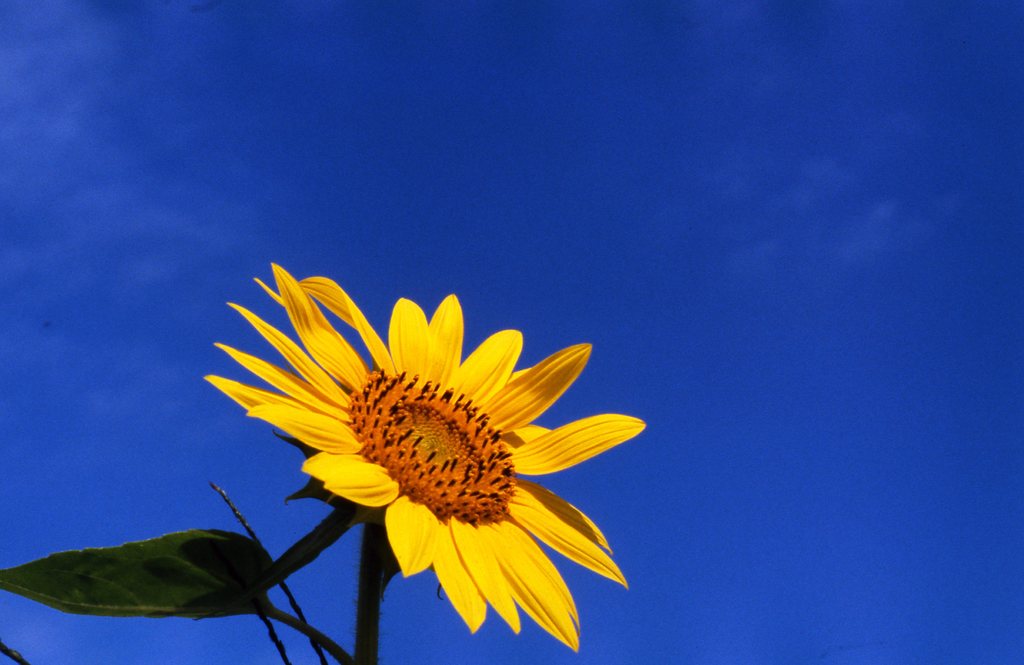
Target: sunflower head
x: 437, y: 445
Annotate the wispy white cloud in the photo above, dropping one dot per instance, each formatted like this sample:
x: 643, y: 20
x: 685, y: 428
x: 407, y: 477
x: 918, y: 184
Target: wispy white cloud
x: 55, y: 69
x: 823, y: 221
x: 76, y: 213
x: 37, y: 634
x: 870, y: 235
x: 756, y: 258
x: 818, y: 181
x: 80, y: 228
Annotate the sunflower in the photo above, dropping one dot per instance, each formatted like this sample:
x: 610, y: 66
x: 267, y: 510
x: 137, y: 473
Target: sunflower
x: 437, y: 447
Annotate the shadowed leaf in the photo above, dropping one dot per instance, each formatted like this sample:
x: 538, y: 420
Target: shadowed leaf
x: 198, y: 573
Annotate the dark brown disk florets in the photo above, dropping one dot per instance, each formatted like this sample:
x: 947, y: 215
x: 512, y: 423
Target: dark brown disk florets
x: 437, y: 446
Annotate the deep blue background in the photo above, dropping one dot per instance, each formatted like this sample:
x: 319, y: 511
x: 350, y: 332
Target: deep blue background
x: 793, y: 234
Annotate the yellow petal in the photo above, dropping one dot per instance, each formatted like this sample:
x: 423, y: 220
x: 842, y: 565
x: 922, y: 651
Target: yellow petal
x: 270, y: 292
x: 283, y: 380
x: 321, y: 339
x: 573, y: 443
x: 564, y: 510
x: 412, y: 531
x: 319, y: 382
x: 319, y: 431
x: 536, y: 585
x: 352, y: 477
x: 477, y: 551
x: 523, y: 435
x: 487, y: 369
x: 335, y: 299
x: 518, y: 373
x: 458, y: 585
x: 446, y: 330
x: 409, y: 340
x: 560, y: 535
x: 528, y: 396
x: 249, y: 396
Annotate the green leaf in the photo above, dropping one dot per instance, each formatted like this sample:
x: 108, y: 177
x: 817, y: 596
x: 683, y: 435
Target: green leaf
x: 198, y: 573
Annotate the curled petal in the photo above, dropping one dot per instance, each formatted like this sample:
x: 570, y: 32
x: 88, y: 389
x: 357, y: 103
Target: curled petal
x: 334, y: 298
x: 319, y: 382
x: 352, y: 477
x: 326, y: 346
x: 283, y: 380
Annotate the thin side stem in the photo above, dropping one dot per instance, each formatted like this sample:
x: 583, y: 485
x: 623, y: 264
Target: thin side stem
x: 284, y: 587
x: 329, y: 645
x: 12, y: 654
x: 272, y: 633
x: 371, y: 581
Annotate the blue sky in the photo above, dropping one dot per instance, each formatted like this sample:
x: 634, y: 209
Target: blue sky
x: 792, y: 233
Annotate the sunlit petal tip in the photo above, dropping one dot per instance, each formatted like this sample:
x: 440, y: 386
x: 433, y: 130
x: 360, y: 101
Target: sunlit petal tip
x: 248, y: 396
x: 565, y: 511
x: 270, y: 292
x: 489, y: 366
x: 230, y: 350
x: 320, y: 382
x: 476, y: 546
x: 280, y: 273
x: 445, y: 345
x: 450, y: 300
x: 574, y: 442
x: 536, y: 585
x: 223, y: 385
x: 245, y: 312
x: 459, y: 586
x: 408, y: 338
x: 535, y: 518
x: 529, y: 394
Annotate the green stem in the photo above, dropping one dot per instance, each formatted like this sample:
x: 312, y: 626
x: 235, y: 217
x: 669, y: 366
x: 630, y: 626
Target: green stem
x: 329, y: 645
x: 12, y: 654
x: 371, y: 579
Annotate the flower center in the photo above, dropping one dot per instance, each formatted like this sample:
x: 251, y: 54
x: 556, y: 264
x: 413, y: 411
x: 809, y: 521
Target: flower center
x: 441, y: 451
